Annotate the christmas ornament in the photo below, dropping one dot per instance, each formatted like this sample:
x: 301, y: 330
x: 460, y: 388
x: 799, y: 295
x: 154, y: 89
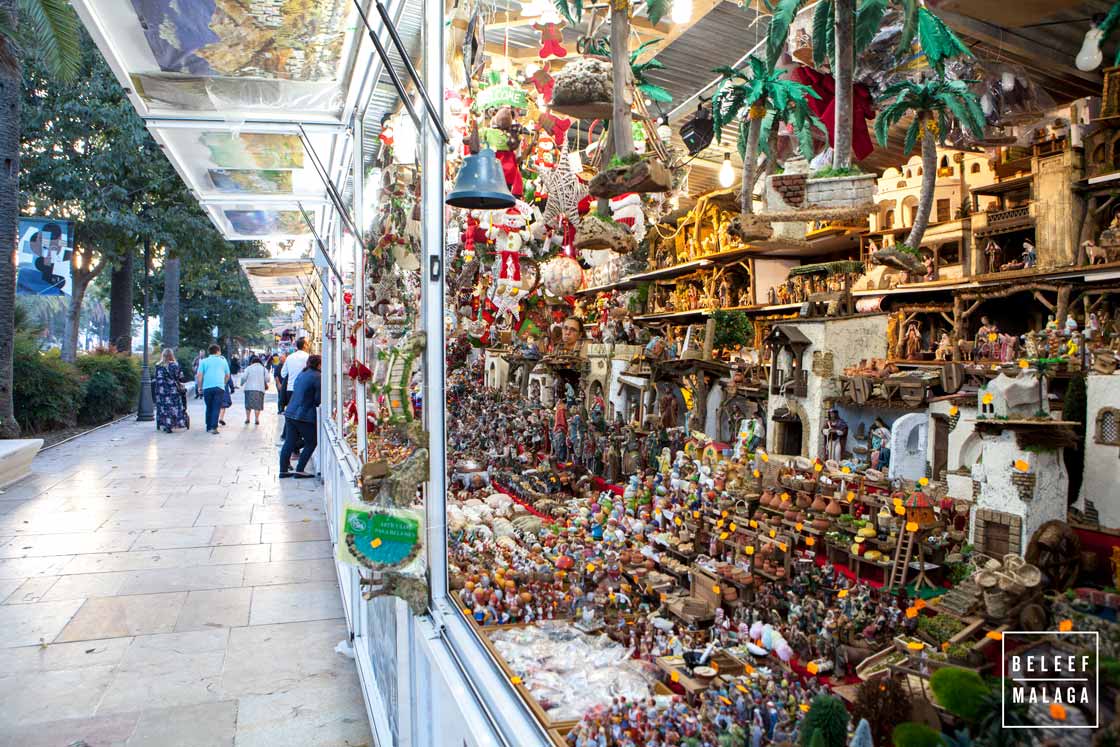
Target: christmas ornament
x: 552, y: 40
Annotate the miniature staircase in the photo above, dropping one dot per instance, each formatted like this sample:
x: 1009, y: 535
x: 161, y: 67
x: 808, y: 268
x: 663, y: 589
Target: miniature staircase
x: 962, y: 598
x: 396, y: 384
x: 902, y: 553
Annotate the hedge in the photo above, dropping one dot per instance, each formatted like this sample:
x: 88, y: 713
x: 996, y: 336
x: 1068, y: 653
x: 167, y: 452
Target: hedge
x: 112, y: 385
x: 47, y: 392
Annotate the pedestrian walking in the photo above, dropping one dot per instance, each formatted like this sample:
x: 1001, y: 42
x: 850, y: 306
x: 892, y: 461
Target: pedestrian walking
x: 281, y: 384
x: 212, y: 376
x: 254, y: 381
x: 294, y: 364
x: 197, y: 361
x: 170, y: 394
x: 300, y: 420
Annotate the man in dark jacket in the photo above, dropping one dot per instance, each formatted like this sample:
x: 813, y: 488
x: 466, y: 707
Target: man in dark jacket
x: 301, y: 419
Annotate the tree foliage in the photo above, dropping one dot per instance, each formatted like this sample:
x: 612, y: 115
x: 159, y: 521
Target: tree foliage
x: 828, y: 717
x: 881, y: 703
x: 959, y: 691
x: 933, y: 102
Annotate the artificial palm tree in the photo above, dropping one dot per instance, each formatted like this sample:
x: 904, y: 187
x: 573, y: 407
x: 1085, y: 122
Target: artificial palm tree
x: 50, y: 28
x: 622, y: 134
x: 931, y: 102
x: 761, y: 99
x: 841, y: 31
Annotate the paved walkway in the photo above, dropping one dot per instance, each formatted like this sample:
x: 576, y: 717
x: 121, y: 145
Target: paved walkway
x: 164, y: 590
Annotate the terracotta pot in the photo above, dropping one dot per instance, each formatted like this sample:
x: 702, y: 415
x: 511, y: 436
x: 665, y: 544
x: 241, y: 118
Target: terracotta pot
x: 792, y: 515
x: 803, y: 500
x: 821, y: 524
x: 833, y: 508
x: 819, y: 504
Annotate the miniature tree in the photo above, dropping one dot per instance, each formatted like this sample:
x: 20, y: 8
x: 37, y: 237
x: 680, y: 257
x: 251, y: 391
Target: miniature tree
x: 733, y: 328
x: 862, y: 736
x: 959, y: 691
x: 828, y: 717
x: 841, y: 31
x: 931, y: 102
x: 881, y: 703
x: 761, y: 100
x: 911, y: 734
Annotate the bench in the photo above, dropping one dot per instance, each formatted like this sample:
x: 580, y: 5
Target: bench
x: 15, y: 459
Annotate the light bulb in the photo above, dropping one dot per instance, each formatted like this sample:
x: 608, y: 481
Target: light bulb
x: 682, y: 11
x: 1090, y: 57
x: 726, y: 173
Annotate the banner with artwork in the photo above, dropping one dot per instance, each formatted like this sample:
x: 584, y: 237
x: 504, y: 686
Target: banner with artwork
x: 44, y: 247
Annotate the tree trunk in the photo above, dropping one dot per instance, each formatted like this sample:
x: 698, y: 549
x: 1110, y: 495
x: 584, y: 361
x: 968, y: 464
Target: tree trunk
x: 620, y: 70
x: 80, y: 280
x: 10, y: 97
x: 929, y: 179
x: 842, y: 67
x: 120, y: 304
x: 169, y: 322
x: 746, y: 197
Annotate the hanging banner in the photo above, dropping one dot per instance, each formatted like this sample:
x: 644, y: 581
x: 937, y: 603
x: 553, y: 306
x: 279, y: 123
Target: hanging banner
x: 44, y: 248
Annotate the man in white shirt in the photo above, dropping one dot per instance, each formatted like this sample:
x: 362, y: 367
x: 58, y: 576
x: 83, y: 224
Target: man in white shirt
x: 294, y: 364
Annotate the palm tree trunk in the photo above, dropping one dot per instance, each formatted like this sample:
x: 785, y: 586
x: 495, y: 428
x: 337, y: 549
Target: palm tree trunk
x: 120, y: 304
x: 746, y: 196
x: 929, y: 179
x: 842, y: 67
x: 620, y: 72
x: 169, y: 323
x: 10, y: 97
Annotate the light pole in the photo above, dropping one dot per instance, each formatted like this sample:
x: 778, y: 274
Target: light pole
x: 145, y: 409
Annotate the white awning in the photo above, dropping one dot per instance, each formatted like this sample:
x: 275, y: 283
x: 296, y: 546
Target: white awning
x: 279, y: 280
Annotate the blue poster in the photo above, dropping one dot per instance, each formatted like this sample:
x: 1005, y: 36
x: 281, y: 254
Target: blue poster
x: 44, y: 248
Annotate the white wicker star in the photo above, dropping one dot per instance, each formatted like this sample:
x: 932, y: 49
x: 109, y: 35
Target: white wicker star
x: 564, y: 191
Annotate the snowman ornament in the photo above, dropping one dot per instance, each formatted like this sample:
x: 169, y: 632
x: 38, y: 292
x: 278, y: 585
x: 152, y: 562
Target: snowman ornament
x: 508, y: 234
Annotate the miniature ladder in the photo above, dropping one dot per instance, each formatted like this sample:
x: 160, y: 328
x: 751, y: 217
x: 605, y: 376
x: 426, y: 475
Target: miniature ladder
x: 901, y: 561
x: 397, y: 376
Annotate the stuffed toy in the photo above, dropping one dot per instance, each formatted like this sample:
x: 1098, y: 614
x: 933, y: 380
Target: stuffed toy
x: 503, y: 136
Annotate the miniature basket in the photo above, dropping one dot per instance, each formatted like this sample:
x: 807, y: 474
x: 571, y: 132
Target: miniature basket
x: 1029, y: 576
x: 996, y: 603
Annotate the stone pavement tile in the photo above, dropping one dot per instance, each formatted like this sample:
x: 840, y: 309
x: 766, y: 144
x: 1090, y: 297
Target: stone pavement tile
x: 22, y: 568
x: 286, y: 514
x: 62, y: 656
x: 167, y: 539
x: 217, y: 516
x: 41, y: 545
x: 302, y: 550
x: 322, y: 711
x: 36, y: 697
x: 265, y: 659
x: 301, y: 531
x: 236, y: 534
x: 32, y: 590
x: 239, y: 554
x: 215, y: 608
x: 99, y: 731
x: 8, y: 585
x: 204, y: 725
x: 29, y: 624
x: 281, y: 603
x: 183, y: 579
x: 201, y: 486
x: 41, y: 521
x: 154, y: 518
x: 85, y: 585
x: 290, y: 572
x: 171, y: 669
x: 147, y: 560
x: 110, y: 617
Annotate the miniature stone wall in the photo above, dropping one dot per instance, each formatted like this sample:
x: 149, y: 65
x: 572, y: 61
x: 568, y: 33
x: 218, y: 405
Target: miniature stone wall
x: 787, y: 190
x: 909, y: 442
x: 848, y: 340
x: 1102, y: 460
x: 1001, y: 486
x: 841, y: 191
x: 497, y: 371
x: 959, y: 432
x: 982, y: 520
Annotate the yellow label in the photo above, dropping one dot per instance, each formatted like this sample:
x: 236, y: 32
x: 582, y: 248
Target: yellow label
x: 724, y: 535
x: 376, y: 543
x: 731, y: 526
x: 749, y: 549
x: 798, y: 526
x: 515, y: 680
x: 753, y: 524
x: 715, y: 588
x: 590, y: 567
x: 911, y: 526
x: 1065, y: 626
x: 900, y: 509
x: 674, y: 676
x: 846, y: 470
x: 783, y: 546
x: 843, y: 593
x: 773, y: 534
x: 812, y: 667
x: 809, y: 541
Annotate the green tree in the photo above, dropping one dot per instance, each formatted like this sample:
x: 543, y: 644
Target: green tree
x: 761, y: 100
x: 841, y: 31
x: 215, y: 293
x: 827, y: 717
x: 49, y: 29
x: 932, y: 103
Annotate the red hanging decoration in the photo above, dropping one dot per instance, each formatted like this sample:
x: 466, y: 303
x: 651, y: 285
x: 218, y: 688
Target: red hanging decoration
x: 552, y: 40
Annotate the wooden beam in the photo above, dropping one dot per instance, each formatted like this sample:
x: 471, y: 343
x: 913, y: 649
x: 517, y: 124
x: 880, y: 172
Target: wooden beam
x: 1043, y: 300
x: 700, y: 8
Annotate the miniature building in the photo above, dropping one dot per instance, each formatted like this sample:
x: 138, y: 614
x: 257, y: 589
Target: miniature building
x: 497, y: 370
x: 1102, y: 452
x: 807, y: 357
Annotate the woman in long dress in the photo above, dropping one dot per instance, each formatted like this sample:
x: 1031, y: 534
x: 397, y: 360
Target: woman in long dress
x: 171, y: 411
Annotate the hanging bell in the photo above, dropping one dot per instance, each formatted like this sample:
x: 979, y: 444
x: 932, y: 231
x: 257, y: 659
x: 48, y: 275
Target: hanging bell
x: 481, y: 184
